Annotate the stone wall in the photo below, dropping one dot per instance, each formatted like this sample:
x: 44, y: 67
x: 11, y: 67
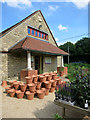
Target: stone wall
x: 50, y: 67
x: 16, y: 62
x: 11, y: 65
x: 4, y: 66
x: 19, y: 32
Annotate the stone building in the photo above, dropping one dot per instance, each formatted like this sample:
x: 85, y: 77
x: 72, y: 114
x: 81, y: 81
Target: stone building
x: 29, y: 45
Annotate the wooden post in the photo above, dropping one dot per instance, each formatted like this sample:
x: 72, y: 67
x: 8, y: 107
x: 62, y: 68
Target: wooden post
x: 63, y: 112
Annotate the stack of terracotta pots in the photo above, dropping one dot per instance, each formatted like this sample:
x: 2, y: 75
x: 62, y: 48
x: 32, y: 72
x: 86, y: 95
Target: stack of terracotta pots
x: 39, y: 85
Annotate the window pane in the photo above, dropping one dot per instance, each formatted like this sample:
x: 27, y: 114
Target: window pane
x: 32, y: 32
x: 39, y: 34
x: 28, y: 30
x: 48, y: 60
x: 36, y: 33
x: 42, y: 35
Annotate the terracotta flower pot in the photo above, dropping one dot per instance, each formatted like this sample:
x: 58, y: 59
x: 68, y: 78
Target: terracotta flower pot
x: 47, y: 84
x: 7, y: 88
x: 58, y: 81
x: 53, y: 83
x: 44, y: 90
x: 35, y: 78
x: 47, y: 91
x: 40, y: 94
x: 23, y: 87
x: 28, y: 80
x: 31, y: 87
x: 16, y: 85
x: 38, y: 86
x: 20, y: 94
x: 61, y: 73
x: 54, y: 76
x: 48, y: 77
x: 11, y: 92
x: 52, y: 89
x: 42, y: 78
x: 4, y: 83
x: 30, y: 95
x: 45, y: 74
x: 11, y: 83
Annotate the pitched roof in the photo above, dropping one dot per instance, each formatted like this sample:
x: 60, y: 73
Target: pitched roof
x: 36, y: 45
x: 10, y: 28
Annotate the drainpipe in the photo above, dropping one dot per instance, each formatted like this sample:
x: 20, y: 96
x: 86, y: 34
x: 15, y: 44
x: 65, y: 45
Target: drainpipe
x: 62, y: 62
x: 29, y: 60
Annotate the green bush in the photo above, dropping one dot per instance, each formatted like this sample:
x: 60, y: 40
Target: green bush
x: 58, y: 117
x: 73, y: 69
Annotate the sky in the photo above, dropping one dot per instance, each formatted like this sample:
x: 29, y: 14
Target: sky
x: 68, y: 20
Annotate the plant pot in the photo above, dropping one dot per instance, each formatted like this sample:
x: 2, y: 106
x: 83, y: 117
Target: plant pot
x: 11, y: 92
x: 31, y: 87
x: 53, y: 83
x: 23, y: 87
x: 16, y: 85
x: 28, y: 80
x: 4, y: 83
x: 45, y: 74
x: 47, y: 84
x: 58, y: 81
x: 44, y: 90
x: 7, y: 88
x: 40, y: 94
x: 20, y: 94
x: 47, y: 91
x: 30, y: 95
x: 61, y: 73
x: 42, y: 78
x: 49, y: 77
x: 35, y: 78
x: 11, y: 83
x: 38, y: 86
x: 52, y: 89
x: 54, y: 76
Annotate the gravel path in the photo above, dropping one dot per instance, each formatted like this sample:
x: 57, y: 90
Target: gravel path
x: 36, y: 108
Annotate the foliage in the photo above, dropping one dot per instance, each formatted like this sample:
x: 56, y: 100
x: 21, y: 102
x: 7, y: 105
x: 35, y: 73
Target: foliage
x: 73, y: 69
x: 61, y: 69
x: 78, y: 88
x: 58, y: 117
x: 83, y: 46
x: 80, y: 51
x: 65, y: 47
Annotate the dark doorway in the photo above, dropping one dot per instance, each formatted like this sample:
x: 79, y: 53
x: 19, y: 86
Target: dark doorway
x: 39, y: 64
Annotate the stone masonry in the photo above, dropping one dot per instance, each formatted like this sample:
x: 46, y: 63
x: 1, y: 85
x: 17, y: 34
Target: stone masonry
x: 13, y: 63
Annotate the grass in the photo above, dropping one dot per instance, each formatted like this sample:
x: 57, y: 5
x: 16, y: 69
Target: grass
x: 73, y: 69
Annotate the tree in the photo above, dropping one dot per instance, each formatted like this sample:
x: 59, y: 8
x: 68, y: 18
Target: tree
x: 65, y: 47
x: 82, y: 46
x: 80, y: 51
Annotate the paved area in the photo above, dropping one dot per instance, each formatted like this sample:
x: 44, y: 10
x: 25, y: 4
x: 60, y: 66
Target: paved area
x: 36, y: 108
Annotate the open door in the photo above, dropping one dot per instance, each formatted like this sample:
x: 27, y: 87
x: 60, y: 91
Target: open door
x: 39, y: 64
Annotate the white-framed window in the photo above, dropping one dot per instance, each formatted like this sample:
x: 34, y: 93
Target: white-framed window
x: 48, y: 60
